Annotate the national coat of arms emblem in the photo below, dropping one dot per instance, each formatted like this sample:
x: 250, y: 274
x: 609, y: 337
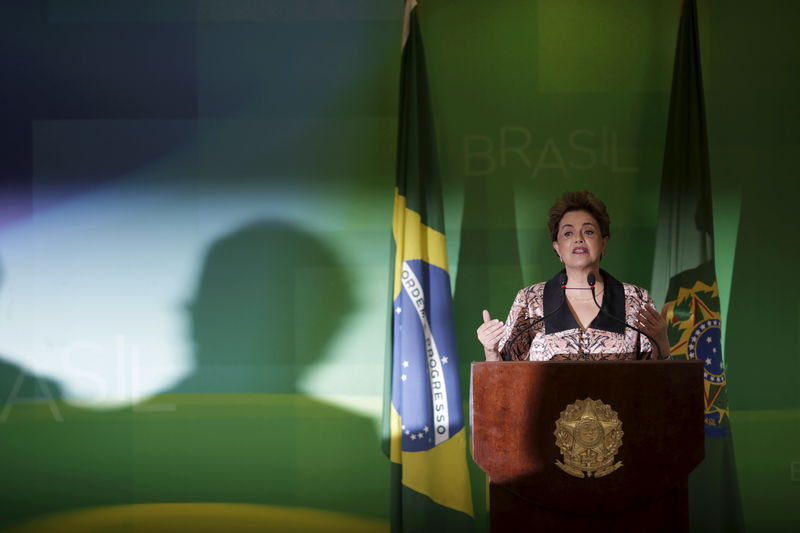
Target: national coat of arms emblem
x: 694, y: 329
x: 588, y: 433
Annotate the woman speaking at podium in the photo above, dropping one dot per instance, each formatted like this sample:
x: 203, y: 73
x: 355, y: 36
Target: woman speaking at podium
x: 582, y: 313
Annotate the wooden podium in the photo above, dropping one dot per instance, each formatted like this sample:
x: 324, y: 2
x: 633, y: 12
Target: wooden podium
x: 654, y: 407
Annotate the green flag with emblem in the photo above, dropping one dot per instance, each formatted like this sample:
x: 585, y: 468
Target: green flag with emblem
x: 684, y: 279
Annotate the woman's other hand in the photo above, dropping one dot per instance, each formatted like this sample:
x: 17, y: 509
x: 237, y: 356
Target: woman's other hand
x: 490, y: 333
x: 652, y: 323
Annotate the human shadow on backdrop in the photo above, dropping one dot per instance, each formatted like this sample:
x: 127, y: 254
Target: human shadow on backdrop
x: 270, y: 299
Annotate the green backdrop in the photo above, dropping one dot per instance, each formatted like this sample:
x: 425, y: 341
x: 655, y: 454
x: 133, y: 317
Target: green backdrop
x: 196, y: 219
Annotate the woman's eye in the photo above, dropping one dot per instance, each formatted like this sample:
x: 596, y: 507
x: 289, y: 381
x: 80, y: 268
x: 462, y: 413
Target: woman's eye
x: 567, y: 233
x: 589, y: 232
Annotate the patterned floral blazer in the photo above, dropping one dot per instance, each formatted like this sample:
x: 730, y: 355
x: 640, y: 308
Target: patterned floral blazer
x: 559, y: 336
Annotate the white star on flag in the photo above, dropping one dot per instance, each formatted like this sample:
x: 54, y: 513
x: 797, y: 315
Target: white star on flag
x: 413, y: 436
x: 426, y: 429
x: 405, y: 364
x: 708, y: 360
x: 397, y: 310
x: 403, y: 377
x: 419, y: 435
x: 708, y: 340
x: 444, y: 360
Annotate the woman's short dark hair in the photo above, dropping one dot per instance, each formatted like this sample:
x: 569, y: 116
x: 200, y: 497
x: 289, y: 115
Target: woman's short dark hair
x: 578, y: 201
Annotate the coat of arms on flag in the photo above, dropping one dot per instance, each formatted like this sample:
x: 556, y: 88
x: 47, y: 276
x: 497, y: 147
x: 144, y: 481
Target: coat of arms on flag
x: 695, y: 332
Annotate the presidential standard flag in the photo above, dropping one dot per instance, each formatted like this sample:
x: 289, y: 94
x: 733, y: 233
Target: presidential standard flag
x: 423, y: 418
x: 685, y: 272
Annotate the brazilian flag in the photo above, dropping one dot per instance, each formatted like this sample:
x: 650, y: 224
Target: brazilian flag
x: 685, y: 272
x: 424, y: 431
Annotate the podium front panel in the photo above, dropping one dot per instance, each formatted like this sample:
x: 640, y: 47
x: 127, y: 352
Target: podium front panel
x: 514, y: 407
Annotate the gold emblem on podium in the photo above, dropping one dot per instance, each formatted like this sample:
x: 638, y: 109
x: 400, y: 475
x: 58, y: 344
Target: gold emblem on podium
x: 588, y: 433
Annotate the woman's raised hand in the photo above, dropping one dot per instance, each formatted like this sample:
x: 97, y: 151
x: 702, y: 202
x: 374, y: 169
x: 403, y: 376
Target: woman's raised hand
x: 490, y: 333
x: 654, y: 324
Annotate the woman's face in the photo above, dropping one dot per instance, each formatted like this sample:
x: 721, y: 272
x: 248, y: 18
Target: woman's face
x: 579, y: 242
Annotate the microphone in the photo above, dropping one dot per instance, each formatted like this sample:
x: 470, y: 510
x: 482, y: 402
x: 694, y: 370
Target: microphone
x: 562, y: 280
x: 592, y: 280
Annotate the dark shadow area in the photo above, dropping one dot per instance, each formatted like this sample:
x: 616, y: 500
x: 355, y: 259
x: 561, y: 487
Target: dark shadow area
x: 489, y: 275
x: 62, y: 72
x: 270, y: 299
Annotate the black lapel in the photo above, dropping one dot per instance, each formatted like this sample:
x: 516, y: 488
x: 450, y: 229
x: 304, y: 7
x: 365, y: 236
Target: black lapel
x: 553, y: 296
x: 613, y: 304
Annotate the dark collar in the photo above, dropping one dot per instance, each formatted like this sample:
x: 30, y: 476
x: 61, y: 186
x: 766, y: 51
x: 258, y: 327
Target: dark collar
x: 613, y: 303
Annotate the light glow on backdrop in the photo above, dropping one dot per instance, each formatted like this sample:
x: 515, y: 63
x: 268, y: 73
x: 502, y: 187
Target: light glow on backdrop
x: 149, y: 135
x: 96, y: 287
